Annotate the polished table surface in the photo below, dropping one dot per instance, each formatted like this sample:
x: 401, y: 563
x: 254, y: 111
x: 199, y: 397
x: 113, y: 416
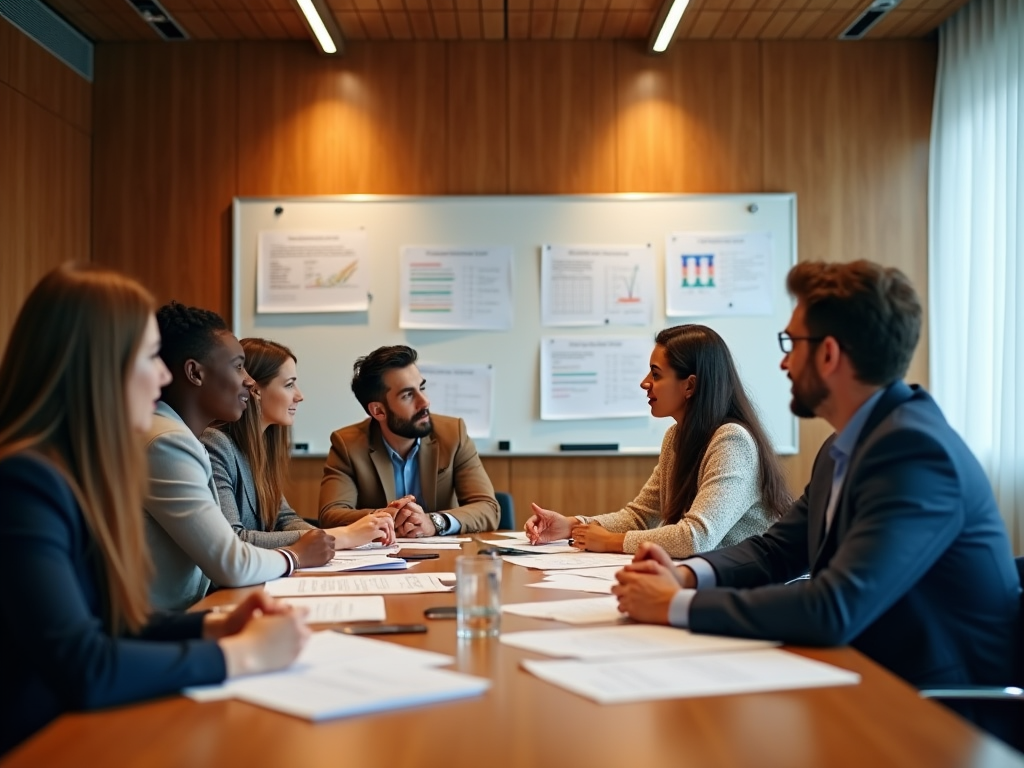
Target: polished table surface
x: 523, y: 721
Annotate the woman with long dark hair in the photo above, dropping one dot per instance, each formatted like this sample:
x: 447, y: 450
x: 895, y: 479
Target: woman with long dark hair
x: 717, y: 481
x: 79, y: 382
x: 250, y: 459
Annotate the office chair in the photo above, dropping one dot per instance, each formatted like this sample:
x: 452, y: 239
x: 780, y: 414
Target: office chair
x: 507, y: 520
x: 1010, y: 699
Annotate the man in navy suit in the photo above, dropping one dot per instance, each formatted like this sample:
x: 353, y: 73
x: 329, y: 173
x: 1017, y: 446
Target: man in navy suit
x: 908, y: 557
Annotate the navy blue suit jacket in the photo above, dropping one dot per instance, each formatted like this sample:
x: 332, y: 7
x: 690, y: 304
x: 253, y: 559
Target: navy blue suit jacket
x: 59, y: 656
x: 916, y: 570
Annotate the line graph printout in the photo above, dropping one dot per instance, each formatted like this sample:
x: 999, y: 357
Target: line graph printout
x: 312, y: 272
x: 584, y: 377
x: 718, y: 273
x: 596, y: 285
x: 456, y: 287
x: 463, y: 390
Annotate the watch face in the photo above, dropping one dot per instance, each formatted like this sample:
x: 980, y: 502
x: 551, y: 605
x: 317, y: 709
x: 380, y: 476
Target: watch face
x: 440, y: 521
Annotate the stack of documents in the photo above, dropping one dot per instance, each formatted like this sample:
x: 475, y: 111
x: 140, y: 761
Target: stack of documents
x: 641, y: 662
x: 586, y: 610
x: 359, y: 561
x: 338, y: 609
x: 339, y: 675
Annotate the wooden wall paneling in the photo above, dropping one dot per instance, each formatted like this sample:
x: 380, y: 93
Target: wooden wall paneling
x: 578, y: 485
x: 477, y: 119
x: 6, y: 44
x: 846, y: 127
x: 303, y: 487
x: 561, y: 117
x: 48, y: 81
x: 371, y: 122
x: 689, y: 121
x: 44, y: 198
x: 165, y: 166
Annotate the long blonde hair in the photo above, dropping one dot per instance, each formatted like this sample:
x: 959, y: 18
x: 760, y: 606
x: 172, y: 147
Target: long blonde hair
x: 267, y: 450
x: 62, y: 395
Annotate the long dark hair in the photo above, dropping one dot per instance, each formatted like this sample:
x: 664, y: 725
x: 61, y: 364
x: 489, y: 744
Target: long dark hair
x: 62, y: 394
x: 267, y: 450
x: 718, y: 398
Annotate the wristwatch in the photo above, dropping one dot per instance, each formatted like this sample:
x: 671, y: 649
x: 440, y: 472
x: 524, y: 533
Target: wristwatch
x: 440, y: 522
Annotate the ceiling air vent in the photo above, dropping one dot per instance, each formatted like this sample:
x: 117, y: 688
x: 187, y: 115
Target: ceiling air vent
x: 154, y: 14
x: 868, y: 19
x: 52, y: 32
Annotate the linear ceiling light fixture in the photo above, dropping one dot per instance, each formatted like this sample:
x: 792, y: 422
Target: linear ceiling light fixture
x: 322, y: 25
x: 665, y: 24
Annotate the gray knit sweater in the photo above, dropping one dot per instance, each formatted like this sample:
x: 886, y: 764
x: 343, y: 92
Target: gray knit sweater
x: 726, y: 510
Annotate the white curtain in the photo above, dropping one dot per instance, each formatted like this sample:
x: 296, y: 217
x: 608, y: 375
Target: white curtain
x: 976, y: 242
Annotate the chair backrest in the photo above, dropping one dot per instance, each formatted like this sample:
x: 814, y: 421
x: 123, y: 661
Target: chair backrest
x: 1020, y: 625
x: 507, y: 521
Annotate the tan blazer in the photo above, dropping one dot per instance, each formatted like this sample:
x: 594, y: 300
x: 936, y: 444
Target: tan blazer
x: 359, y: 477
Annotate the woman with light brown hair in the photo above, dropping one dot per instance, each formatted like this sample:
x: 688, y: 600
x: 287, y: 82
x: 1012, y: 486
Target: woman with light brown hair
x: 78, y: 385
x: 250, y: 459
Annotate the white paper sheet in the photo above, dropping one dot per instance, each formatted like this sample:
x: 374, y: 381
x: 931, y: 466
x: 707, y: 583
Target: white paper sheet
x: 718, y: 273
x: 361, y: 562
x: 462, y: 390
x: 454, y: 287
x: 416, y: 545
x: 360, y: 584
x: 575, y: 559
x: 312, y: 272
x: 629, y: 640
x: 587, y: 377
x: 353, y: 689
x: 326, y: 649
x: 605, y: 573
x: 597, y: 285
x: 585, y: 610
x: 672, y: 677
x: 338, y: 609
x: 575, y: 584
x: 433, y: 540
x: 551, y: 548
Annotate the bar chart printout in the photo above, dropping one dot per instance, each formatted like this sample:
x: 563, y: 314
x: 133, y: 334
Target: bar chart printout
x: 462, y: 390
x: 586, y: 377
x: 718, y: 274
x: 597, y: 285
x: 312, y: 272
x: 456, y: 287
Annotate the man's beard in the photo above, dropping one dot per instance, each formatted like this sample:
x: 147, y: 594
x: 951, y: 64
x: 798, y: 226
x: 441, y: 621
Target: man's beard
x: 408, y: 427
x: 809, y: 391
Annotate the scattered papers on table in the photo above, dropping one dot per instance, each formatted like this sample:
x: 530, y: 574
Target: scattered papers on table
x: 338, y: 609
x: 374, y: 548
x: 575, y: 559
x: 359, y: 584
x: 429, y: 545
x: 606, y: 572
x: 630, y: 640
x: 671, y: 677
x: 586, y: 610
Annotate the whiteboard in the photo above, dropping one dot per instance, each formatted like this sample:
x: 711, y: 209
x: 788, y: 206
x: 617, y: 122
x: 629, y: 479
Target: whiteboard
x: 326, y: 345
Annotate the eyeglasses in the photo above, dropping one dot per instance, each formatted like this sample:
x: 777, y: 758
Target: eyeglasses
x: 786, y: 341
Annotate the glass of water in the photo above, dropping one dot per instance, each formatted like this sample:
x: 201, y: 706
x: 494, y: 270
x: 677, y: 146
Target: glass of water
x: 478, y: 596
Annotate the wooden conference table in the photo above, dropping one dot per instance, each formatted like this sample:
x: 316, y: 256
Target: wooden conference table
x: 523, y: 721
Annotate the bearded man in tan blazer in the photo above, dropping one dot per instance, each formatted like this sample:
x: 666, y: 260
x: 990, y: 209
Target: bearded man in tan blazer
x: 421, y: 468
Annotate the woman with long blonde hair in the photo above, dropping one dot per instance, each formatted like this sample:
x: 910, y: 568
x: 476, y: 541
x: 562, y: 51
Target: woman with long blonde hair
x: 78, y: 385
x: 250, y: 459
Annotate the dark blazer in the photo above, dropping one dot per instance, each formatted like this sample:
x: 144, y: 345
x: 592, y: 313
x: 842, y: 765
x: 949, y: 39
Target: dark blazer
x: 59, y: 656
x: 359, y: 477
x: 916, y: 570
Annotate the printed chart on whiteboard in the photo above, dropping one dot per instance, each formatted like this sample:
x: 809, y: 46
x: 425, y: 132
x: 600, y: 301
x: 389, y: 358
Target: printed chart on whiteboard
x: 597, y: 285
x: 585, y: 378
x: 718, y: 274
